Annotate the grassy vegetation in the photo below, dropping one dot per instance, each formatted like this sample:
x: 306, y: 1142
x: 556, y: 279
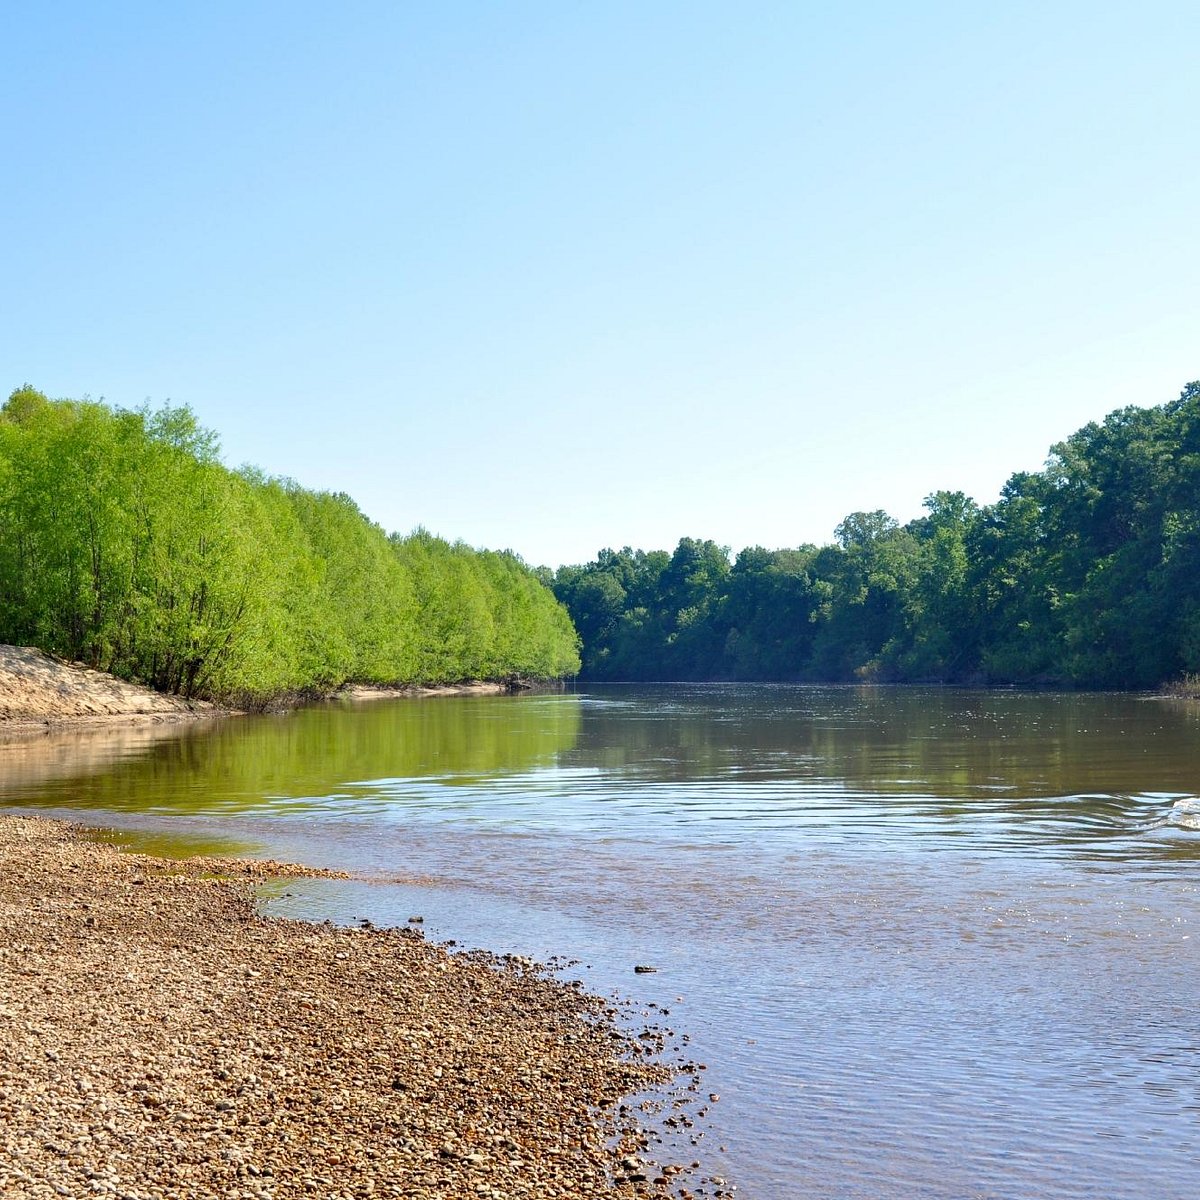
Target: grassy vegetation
x: 1187, y: 688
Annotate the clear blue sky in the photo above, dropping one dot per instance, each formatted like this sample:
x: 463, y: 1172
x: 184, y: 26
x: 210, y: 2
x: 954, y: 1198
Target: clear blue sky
x: 554, y: 276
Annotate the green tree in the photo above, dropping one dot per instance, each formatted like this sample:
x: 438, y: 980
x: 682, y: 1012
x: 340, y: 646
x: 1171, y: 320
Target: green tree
x: 126, y: 543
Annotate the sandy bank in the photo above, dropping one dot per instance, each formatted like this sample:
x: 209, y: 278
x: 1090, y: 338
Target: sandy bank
x: 36, y: 689
x: 39, y: 690
x: 474, y: 687
x: 162, y: 1039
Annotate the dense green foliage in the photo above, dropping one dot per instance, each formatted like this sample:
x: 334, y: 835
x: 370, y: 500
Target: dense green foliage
x: 1085, y: 573
x: 126, y: 544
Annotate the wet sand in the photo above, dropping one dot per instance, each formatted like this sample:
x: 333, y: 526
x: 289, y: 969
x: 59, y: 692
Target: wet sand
x: 163, y: 1039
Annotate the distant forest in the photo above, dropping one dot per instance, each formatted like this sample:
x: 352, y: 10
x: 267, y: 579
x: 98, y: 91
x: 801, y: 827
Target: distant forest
x: 126, y: 544
x: 1086, y: 573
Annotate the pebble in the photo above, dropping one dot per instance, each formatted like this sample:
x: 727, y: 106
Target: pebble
x: 223, y: 1058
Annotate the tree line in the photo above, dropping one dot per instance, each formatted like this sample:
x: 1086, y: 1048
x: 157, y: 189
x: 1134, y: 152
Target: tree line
x: 1086, y: 573
x: 126, y: 544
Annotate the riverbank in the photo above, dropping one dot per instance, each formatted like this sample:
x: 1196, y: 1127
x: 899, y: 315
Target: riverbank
x: 165, y: 1040
x: 470, y: 687
x: 1186, y: 688
x: 38, y: 689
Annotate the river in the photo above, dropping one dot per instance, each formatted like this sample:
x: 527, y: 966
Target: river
x: 929, y: 943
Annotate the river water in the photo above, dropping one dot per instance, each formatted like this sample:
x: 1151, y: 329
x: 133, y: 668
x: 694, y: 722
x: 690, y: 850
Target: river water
x: 929, y: 943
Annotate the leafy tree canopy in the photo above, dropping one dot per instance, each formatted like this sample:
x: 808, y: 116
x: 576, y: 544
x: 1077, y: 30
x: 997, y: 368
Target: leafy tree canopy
x: 1087, y: 572
x: 125, y: 543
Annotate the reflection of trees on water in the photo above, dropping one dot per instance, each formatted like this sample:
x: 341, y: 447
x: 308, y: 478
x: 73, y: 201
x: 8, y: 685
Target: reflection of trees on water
x: 314, y: 753
x: 947, y: 744
x: 1074, y: 765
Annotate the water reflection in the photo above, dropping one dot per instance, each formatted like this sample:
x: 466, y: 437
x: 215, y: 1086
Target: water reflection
x: 1082, y: 775
x: 1077, y: 773
x: 32, y: 758
x: 304, y: 761
x: 944, y: 743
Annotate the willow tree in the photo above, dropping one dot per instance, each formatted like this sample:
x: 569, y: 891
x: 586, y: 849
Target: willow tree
x: 126, y: 543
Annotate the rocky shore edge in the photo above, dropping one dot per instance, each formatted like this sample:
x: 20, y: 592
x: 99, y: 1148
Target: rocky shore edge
x: 163, y: 1039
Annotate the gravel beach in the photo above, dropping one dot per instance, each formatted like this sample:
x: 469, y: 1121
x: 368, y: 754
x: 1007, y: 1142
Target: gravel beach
x: 163, y: 1039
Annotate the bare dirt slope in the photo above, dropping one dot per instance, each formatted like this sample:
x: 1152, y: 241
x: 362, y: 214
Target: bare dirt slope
x: 36, y: 687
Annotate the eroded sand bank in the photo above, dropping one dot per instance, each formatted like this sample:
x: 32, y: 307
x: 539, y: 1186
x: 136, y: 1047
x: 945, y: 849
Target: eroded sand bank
x: 38, y: 689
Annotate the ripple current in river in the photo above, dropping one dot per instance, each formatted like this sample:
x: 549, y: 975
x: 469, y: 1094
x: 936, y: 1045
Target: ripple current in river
x: 930, y: 943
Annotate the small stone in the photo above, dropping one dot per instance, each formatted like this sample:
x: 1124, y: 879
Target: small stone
x: 371, y: 1068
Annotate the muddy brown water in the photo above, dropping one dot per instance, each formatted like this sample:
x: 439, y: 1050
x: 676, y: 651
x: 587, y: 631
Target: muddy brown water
x: 930, y: 943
